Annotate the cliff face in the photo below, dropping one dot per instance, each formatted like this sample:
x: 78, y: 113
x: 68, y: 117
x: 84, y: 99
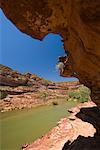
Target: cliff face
x: 77, y: 21
x: 8, y: 77
x: 19, y: 91
x: 14, y: 79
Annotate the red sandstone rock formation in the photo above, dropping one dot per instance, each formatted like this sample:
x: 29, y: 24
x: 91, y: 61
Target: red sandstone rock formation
x: 8, y: 77
x: 36, y: 91
x: 77, y: 21
x: 70, y: 129
x: 28, y: 82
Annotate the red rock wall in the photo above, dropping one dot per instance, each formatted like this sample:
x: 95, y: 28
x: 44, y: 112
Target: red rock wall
x: 78, y: 22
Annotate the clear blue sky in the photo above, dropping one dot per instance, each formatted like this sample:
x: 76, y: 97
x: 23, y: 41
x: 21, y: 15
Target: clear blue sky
x: 25, y: 54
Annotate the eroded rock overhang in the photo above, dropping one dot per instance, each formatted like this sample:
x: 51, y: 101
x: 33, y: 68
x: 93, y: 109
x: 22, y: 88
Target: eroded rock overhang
x: 77, y: 21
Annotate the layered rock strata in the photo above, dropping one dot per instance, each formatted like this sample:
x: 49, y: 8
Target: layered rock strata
x: 77, y: 21
x: 19, y: 91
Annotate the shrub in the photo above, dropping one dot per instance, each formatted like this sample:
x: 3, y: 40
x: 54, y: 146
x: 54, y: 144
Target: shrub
x: 43, y: 95
x: 82, y: 94
x: 3, y: 95
x: 82, y: 100
x: 75, y: 95
x: 84, y: 91
x: 55, y: 103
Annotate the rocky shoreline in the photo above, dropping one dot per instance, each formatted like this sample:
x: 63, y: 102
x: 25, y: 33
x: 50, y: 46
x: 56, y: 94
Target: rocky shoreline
x: 68, y: 130
x: 28, y: 100
x: 19, y: 91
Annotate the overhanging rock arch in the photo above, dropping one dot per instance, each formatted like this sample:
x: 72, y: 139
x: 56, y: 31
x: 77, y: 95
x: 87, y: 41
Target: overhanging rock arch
x: 77, y: 21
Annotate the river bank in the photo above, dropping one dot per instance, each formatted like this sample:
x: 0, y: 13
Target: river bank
x: 68, y: 129
x: 19, y: 91
x: 30, y: 100
x: 25, y: 126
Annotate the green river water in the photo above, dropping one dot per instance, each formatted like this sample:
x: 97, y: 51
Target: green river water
x: 25, y: 126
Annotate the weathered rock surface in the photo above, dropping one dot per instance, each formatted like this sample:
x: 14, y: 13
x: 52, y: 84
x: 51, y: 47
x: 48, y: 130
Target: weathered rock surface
x: 8, y: 77
x: 83, y: 127
x: 17, y: 102
x: 36, y: 91
x: 77, y: 21
x: 13, y: 81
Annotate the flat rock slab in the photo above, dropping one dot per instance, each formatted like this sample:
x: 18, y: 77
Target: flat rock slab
x: 66, y: 130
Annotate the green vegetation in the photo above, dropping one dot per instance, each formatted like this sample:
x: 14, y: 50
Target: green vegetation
x: 85, y: 92
x: 74, y: 95
x: 43, y: 95
x: 82, y: 94
x: 3, y: 94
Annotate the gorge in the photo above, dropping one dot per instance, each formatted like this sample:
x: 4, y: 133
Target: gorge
x: 78, y: 22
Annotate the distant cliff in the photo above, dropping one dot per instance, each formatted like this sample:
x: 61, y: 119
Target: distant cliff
x: 20, y: 91
x: 14, y: 82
